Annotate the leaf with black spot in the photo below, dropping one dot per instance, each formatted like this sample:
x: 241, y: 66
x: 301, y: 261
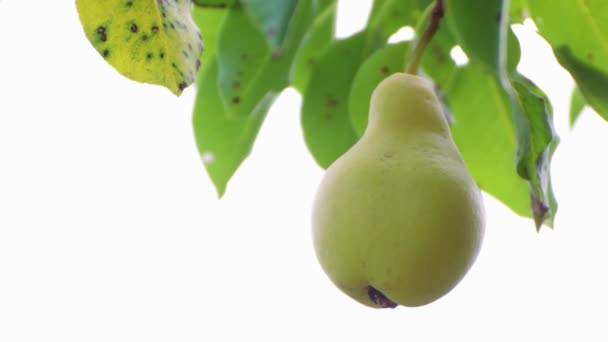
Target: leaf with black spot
x: 328, y: 131
x: 148, y: 41
x: 272, y: 17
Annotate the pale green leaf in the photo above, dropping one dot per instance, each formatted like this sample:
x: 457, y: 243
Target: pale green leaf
x: 148, y: 41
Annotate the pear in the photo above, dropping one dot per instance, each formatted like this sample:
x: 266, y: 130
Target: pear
x: 398, y: 219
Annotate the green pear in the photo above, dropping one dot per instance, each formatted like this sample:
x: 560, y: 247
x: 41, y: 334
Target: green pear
x: 398, y: 219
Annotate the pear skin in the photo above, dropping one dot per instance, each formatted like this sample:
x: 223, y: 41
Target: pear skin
x: 398, y: 219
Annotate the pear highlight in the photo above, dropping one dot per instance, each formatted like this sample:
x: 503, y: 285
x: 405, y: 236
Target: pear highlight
x: 398, y: 219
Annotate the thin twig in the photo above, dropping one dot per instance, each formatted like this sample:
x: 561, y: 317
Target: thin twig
x: 427, y: 36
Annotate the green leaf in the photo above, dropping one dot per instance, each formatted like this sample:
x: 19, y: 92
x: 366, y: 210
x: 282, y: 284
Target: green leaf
x: 387, y: 16
x: 147, y: 41
x: 485, y: 134
x: 209, y: 21
x: 581, y: 25
x: 222, y: 142
x: 328, y: 132
x: 475, y: 24
x: 273, y: 17
x: 536, y: 141
x: 578, y: 32
x: 577, y: 104
x: 591, y: 81
x: 241, y: 64
x: 248, y: 69
x: 380, y: 65
x: 314, y: 45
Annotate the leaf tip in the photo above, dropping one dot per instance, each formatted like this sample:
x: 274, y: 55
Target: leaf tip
x: 540, y: 211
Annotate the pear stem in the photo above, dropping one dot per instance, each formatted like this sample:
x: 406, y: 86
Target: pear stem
x: 416, y: 57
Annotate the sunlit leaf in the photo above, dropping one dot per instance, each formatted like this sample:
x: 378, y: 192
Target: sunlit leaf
x: 578, y: 32
x: 485, y: 134
x: 223, y: 142
x: 147, y: 41
x: 580, y: 25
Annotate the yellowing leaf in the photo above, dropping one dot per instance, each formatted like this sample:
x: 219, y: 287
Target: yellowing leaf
x: 149, y: 41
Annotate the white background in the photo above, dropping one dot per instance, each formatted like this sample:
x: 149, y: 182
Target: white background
x: 110, y: 229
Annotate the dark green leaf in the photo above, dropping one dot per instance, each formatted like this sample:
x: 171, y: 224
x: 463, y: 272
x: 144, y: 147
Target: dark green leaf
x: 248, y: 70
x: 381, y: 64
x: 241, y: 64
x: 387, y: 16
x: 223, y: 142
x: 536, y: 138
x: 315, y: 42
x: 328, y: 132
x: 485, y: 134
x: 577, y: 104
x: 591, y: 81
x: 475, y: 24
x: 273, y: 17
